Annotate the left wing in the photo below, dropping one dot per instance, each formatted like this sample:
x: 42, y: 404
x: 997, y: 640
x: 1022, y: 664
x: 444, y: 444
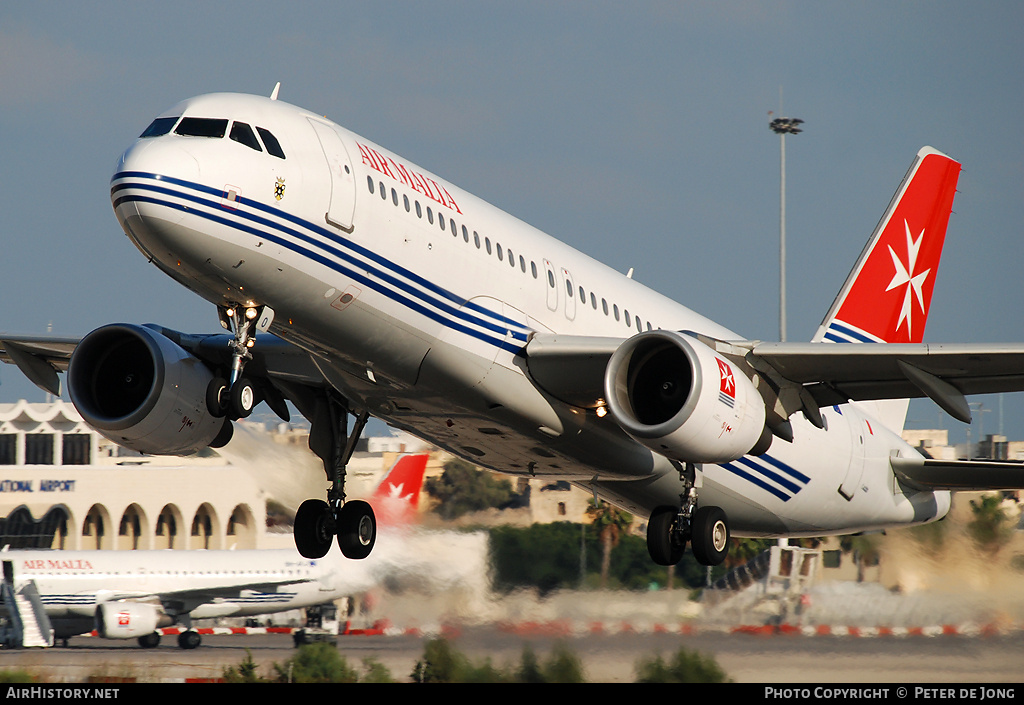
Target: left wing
x: 571, y: 368
x: 959, y: 475
x: 834, y: 374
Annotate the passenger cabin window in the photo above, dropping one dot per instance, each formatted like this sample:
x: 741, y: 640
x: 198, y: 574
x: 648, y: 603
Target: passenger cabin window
x: 270, y: 142
x: 202, y: 127
x: 243, y: 134
x: 160, y: 126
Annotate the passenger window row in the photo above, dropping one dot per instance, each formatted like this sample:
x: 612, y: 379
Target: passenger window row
x: 496, y: 249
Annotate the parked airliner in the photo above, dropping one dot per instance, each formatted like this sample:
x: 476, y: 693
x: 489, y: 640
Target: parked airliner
x: 353, y: 282
x: 132, y: 594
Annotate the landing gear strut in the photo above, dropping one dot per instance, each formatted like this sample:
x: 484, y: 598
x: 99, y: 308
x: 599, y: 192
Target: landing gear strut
x: 317, y: 522
x: 236, y: 396
x: 706, y: 528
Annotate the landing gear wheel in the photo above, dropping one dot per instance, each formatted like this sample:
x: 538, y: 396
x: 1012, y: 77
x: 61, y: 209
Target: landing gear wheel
x: 217, y: 397
x: 357, y: 529
x: 189, y: 639
x: 709, y: 537
x: 149, y: 641
x: 665, y: 543
x: 314, y: 528
x: 243, y: 398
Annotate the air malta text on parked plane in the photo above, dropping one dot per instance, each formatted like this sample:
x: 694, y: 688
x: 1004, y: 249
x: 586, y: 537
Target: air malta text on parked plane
x: 136, y: 594
x: 354, y: 283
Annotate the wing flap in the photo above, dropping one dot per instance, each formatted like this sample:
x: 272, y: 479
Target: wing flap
x: 959, y: 475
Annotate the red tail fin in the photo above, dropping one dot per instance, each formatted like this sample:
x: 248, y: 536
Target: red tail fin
x: 887, y: 295
x: 398, y: 495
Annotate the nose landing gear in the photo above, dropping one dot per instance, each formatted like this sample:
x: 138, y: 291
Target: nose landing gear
x: 236, y: 396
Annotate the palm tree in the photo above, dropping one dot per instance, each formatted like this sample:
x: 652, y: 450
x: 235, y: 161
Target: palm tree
x: 610, y: 523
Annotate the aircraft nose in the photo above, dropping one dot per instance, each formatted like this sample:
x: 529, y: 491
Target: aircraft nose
x: 145, y: 171
x: 159, y: 158
x: 146, y: 191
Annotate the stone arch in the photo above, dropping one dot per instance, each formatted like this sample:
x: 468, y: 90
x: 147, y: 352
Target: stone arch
x: 133, y: 530
x: 20, y: 529
x: 205, y: 532
x: 169, y: 530
x: 96, y: 529
x: 241, y: 528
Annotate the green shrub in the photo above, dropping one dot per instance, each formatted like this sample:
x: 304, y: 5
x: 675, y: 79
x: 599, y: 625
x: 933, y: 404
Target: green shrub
x: 684, y: 667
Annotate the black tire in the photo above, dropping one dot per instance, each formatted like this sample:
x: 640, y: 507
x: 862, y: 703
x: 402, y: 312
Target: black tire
x: 217, y: 397
x: 665, y: 544
x: 243, y: 398
x: 709, y: 535
x: 314, y: 528
x: 189, y: 639
x: 357, y: 529
x: 149, y: 641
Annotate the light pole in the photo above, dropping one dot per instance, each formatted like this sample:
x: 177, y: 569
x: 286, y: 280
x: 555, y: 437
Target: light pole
x: 783, y: 126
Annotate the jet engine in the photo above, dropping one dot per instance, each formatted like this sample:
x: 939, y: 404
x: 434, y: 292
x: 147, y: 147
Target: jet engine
x: 142, y: 391
x: 129, y: 620
x: 679, y: 398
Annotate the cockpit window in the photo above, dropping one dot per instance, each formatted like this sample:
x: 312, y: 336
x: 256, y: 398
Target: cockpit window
x: 202, y: 127
x: 243, y: 134
x: 160, y: 126
x: 273, y: 146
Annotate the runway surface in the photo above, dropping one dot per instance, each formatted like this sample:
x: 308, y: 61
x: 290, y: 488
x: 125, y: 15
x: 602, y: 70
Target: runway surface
x: 746, y: 658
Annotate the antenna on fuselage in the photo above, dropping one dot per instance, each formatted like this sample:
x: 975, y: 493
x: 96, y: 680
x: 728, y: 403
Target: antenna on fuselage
x: 273, y: 95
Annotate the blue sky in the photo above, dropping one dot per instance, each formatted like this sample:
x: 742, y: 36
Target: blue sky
x: 637, y: 132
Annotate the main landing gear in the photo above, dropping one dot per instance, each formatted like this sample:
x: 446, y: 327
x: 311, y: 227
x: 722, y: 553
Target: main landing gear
x: 317, y: 522
x: 706, y: 528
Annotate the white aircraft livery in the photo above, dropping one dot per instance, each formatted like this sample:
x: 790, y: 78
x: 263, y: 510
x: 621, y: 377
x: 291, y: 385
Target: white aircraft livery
x: 353, y: 282
x: 132, y: 594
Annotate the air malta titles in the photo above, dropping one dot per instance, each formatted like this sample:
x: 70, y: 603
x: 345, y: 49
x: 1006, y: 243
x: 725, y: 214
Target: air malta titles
x: 413, y: 179
x: 57, y: 564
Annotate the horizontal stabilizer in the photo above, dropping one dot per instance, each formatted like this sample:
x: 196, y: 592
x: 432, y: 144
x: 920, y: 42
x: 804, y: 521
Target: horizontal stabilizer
x: 959, y: 475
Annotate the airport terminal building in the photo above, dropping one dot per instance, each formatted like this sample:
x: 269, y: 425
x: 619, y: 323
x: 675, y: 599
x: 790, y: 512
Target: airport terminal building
x: 64, y: 486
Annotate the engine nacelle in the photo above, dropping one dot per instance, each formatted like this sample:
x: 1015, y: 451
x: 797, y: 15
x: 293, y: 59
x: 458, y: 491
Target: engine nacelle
x: 129, y: 620
x: 676, y: 396
x: 143, y: 391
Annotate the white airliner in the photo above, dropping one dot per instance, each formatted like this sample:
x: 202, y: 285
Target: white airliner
x: 132, y: 594
x: 354, y: 282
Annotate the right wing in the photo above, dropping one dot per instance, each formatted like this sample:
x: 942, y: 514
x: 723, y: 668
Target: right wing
x: 289, y: 368
x: 39, y: 358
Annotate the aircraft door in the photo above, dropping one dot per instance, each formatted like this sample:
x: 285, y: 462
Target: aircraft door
x: 860, y: 432
x: 342, y: 206
x: 549, y: 273
x: 570, y: 294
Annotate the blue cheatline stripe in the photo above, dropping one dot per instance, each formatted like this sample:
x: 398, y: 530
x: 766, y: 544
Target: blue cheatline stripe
x: 330, y: 264
x: 839, y: 332
x: 216, y: 206
x: 756, y: 480
x: 774, y: 476
x: 502, y: 327
x: 761, y: 474
x: 791, y: 471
